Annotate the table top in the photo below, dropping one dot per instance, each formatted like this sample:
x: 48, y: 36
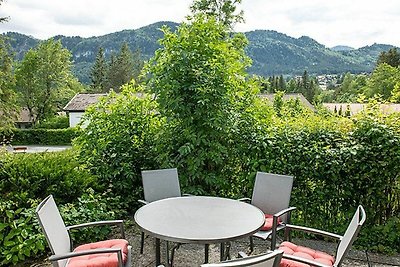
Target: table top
x: 199, y: 219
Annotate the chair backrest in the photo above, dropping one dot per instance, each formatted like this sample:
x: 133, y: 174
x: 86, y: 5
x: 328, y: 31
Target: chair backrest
x: 350, y: 235
x: 271, y: 192
x: 271, y: 259
x: 160, y: 184
x: 53, y: 227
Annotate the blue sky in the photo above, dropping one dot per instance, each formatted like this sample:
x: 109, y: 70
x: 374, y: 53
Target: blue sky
x: 354, y: 23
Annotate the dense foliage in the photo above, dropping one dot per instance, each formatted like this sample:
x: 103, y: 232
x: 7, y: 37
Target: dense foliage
x: 119, y: 142
x: 7, y: 83
x: 207, y: 122
x: 26, y: 179
x: 44, y: 79
x: 40, y: 136
x: 201, y: 71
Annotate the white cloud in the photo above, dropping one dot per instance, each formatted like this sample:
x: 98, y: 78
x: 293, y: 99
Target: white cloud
x: 356, y: 23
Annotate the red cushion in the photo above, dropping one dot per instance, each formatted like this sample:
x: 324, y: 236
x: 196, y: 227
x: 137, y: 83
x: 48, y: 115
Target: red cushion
x: 100, y: 260
x: 268, y: 222
x: 304, y: 252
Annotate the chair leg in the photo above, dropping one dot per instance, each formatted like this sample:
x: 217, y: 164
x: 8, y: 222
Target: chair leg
x: 251, y: 248
x: 174, y: 248
x: 141, y: 242
x: 206, y: 252
x: 366, y: 254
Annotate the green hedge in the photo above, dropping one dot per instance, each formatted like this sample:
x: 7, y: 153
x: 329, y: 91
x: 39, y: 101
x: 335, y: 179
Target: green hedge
x: 336, y: 169
x: 26, y: 179
x: 39, y: 136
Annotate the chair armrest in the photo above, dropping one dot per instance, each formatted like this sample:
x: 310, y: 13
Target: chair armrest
x: 58, y: 257
x: 100, y: 223
x: 282, y: 212
x: 143, y: 202
x: 303, y: 260
x: 245, y: 199
x: 313, y: 231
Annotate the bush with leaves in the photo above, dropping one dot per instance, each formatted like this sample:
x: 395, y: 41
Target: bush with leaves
x: 199, y: 81
x: 91, y: 207
x: 56, y: 122
x: 25, y: 176
x: 44, y: 136
x: 119, y: 141
x: 338, y: 163
x: 20, y: 237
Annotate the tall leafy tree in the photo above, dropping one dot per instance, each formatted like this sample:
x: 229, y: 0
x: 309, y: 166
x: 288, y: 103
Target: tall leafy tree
x: 391, y: 57
x: 43, y: 76
x: 383, y: 81
x: 7, y: 83
x: 99, y: 73
x: 224, y: 11
x: 198, y: 78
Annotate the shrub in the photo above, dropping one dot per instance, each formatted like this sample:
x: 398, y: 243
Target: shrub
x: 119, y: 142
x: 32, y: 176
x: 91, y: 207
x: 20, y: 237
x: 44, y: 136
x: 199, y: 81
x: 57, y: 122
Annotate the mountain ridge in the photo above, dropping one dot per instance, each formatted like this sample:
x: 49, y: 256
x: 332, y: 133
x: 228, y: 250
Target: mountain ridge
x: 272, y: 52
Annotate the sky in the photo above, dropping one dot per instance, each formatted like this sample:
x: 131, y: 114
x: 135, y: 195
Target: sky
x: 354, y: 23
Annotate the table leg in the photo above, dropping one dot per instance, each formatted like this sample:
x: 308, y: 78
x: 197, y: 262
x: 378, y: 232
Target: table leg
x: 158, y: 253
x: 222, y: 252
x: 206, y: 250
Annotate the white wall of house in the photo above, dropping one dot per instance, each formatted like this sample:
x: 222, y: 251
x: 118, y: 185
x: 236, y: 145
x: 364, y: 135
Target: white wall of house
x: 75, y: 118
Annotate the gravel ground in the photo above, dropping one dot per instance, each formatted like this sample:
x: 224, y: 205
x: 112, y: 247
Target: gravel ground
x: 189, y: 255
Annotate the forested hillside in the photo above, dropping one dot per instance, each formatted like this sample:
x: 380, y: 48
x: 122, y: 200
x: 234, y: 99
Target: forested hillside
x: 273, y: 53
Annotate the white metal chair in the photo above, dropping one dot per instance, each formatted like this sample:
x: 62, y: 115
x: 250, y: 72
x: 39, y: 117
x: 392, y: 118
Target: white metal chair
x: 114, y: 252
x: 294, y: 255
x: 271, y: 259
x: 271, y: 194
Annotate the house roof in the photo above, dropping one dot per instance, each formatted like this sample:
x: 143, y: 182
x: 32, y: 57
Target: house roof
x: 357, y: 107
x: 80, y: 102
x: 289, y: 96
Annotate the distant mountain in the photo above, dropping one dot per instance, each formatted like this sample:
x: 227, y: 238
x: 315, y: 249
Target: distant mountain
x: 342, y: 48
x: 273, y: 53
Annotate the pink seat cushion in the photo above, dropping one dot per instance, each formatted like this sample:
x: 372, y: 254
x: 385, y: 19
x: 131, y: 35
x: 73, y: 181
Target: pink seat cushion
x: 268, y: 222
x: 100, y: 260
x: 304, y: 252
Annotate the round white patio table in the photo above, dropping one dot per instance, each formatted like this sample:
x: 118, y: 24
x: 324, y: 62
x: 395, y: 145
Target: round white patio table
x: 198, y: 220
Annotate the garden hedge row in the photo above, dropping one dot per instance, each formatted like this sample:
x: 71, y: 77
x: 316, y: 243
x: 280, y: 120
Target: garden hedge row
x: 39, y: 136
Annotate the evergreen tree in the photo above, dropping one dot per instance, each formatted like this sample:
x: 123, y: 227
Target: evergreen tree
x: 308, y: 87
x: 126, y: 64
x: 138, y: 64
x: 282, y: 83
x: 392, y: 58
x: 121, y: 68
x: 99, y: 73
x: 112, y: 74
